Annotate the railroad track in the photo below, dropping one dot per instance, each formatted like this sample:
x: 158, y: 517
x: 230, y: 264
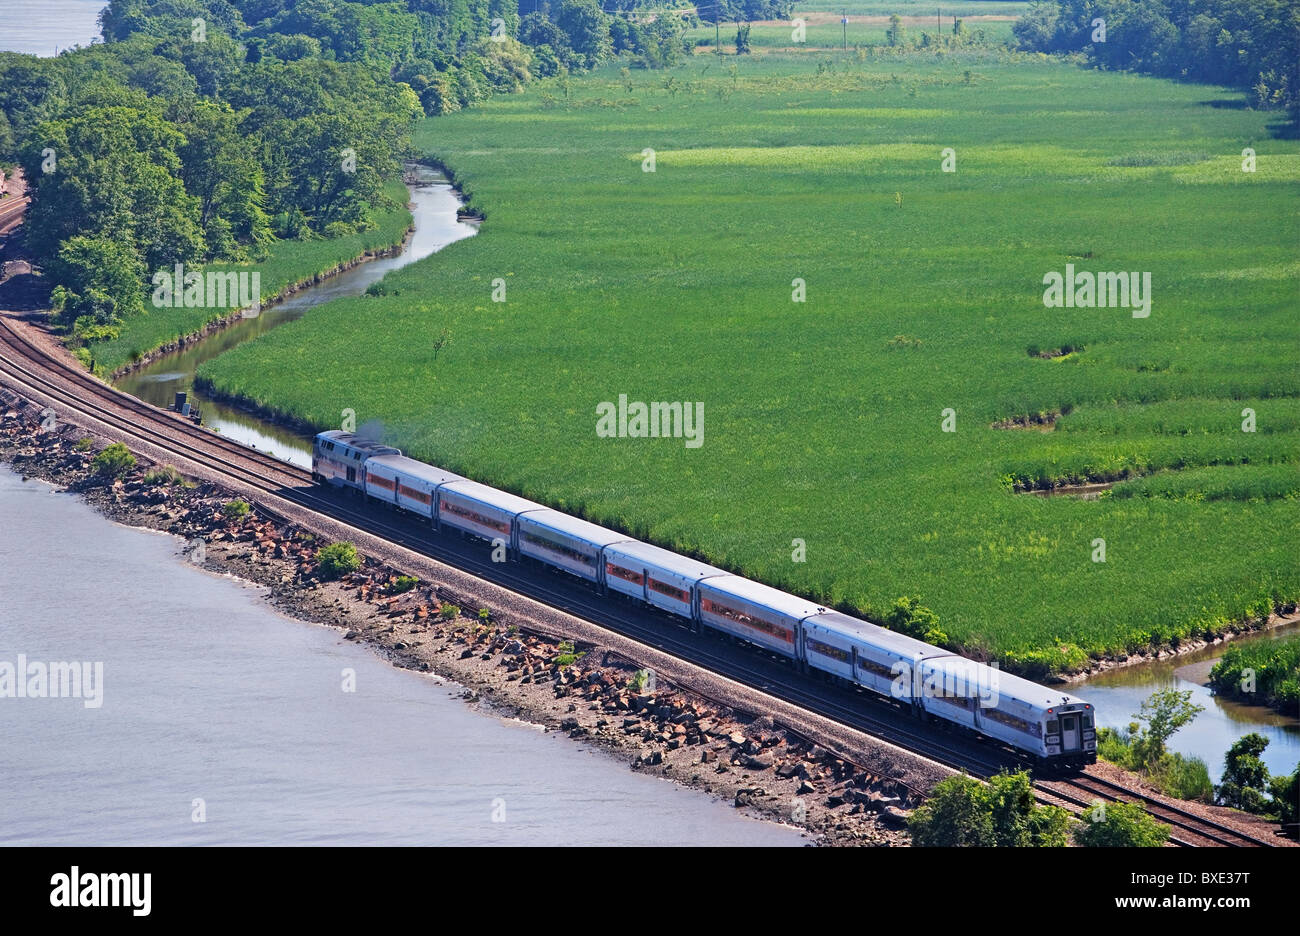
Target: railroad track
x: 1189, y: 829
x: 27, y: 364
x: 11, y: 213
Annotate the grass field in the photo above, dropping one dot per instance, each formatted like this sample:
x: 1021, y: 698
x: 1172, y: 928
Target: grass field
x: 868, y: 24
x: 924, y: 293
x: 290, y: 262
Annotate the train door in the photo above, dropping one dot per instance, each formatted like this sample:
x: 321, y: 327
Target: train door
x: 352, y: 475
x: 1071, y: 731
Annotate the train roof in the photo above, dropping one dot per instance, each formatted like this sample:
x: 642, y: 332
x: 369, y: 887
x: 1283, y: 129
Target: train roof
x: 763, y: 595
x: 574, y: 527
x: 413, y: 469
x: 357, y: 442
x: 1006, y: 684
x: 501, y: 500
x: 664, y: 559
x: 874, y: 635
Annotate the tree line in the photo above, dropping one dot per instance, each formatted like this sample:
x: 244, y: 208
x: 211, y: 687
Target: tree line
x: 203, y: 131
x: 1253, y: 45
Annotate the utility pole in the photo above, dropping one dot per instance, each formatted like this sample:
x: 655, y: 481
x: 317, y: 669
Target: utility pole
x: 844, y: 22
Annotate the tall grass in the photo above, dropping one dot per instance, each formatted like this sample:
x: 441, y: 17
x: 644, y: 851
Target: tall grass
x: 821, y: 426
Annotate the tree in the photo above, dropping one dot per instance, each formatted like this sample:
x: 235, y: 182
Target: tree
x: 99, y: 277
x: 909, y: 616
x: 742, y: 39
x: 1121, y: 825
x: 1244, y: 776
x: 962, y: 811
x: 1164, y: 712
x: 1286, y: 796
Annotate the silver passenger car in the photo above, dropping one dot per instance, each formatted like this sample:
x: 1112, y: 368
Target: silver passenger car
x: 483, y: 511
x: 764, y: 616
x: 657, y: 576
x: 406, y: 483
x: 565, y: 542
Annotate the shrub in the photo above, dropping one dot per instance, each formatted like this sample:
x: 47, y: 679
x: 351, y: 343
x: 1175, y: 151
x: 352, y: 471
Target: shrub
x: 236, y: 510
x: 114, y: 461
x: 964, y: 812
x: 163, y: 476
x: 1121, y: 825
x: 337, y: 560
x: 403, y: 584
x: 449, y: 612
x: 85, y: 444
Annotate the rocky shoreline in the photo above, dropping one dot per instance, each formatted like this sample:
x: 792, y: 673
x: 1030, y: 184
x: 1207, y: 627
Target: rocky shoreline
x: 515, y: 670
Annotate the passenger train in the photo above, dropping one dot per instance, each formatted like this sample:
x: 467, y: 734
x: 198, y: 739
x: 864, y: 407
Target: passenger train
x: 1054, y: 727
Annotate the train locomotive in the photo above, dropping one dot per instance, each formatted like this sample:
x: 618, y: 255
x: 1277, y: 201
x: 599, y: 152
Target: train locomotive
x: 1055, y: 728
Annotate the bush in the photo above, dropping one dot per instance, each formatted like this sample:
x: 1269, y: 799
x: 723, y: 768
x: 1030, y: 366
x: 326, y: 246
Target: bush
x: 964, y: 812
x: 403, y: 584
x: 114, y: 461
x: 1121, y: 825
x: 163, y: 476
x: 449, y: 612
x: 85, y: 444
x: 337, y: 560
x: 236, y: 510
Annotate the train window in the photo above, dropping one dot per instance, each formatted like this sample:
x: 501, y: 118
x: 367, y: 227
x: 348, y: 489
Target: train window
x: 1085, y: 721
x: 1068, y: 723
x: 1053, y: 726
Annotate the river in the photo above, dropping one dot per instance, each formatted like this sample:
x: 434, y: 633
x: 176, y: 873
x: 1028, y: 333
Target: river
x: 1118, y: 693
x: 208, y: 694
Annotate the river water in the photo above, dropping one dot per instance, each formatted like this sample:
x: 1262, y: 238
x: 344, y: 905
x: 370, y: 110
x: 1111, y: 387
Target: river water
x: 210, y: 695
x: 44, y: 27
x: 433, y: 209
x: 1118, y: 694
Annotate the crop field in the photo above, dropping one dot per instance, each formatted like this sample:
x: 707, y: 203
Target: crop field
x: 289, y: 262
x: 825, y: 420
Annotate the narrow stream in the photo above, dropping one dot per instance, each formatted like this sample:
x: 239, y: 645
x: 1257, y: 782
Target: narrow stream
x: 434, y: 204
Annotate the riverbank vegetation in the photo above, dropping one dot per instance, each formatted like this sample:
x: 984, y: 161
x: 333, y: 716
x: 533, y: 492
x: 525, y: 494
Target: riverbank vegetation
x: 1263, y: 672
x: 1142, y: 748
x: 962, y: 812
x: 822, y: 169
x: 1246, y: 783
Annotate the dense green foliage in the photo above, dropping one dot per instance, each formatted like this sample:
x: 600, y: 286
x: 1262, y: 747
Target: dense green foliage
x: 337, y: 560
x: 820, y: 423
x: 962, y: 811
x: 1121, y: 825
x: 1263, y: 672
x: 114, y: 461
x: 1249, y: 44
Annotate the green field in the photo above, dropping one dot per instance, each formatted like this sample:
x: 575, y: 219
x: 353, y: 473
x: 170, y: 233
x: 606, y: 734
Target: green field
x: 290, y: 262
x: 924, y: 293
x: 821, y: 32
